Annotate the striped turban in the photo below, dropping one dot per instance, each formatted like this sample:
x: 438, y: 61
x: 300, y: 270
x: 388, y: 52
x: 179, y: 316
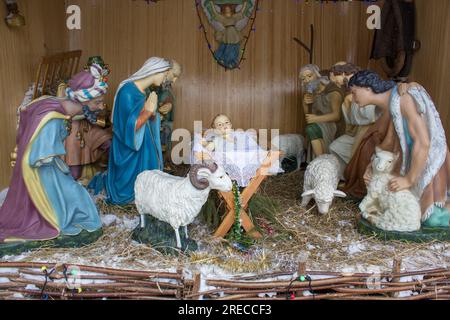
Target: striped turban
x: 88, y: 85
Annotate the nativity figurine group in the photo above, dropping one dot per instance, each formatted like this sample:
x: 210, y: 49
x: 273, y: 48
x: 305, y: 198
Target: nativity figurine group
x: 390, y: 131
x: 58, y: 135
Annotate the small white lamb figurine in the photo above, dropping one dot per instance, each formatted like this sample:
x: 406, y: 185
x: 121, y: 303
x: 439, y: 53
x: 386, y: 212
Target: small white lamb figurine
x: 178, y: 200
x: 321, y: 182
x: 389, y: 211
x: 292, y: 145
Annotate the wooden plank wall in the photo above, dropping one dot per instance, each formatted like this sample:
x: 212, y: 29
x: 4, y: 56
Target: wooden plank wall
x: 20, y: 51
x: 264, y: 93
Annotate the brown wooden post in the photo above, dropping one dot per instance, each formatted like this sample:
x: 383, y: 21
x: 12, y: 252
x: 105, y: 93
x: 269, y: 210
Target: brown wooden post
x: 180, y: 291
x: 301, y: 272
x: 36, y: 83
x: 396, y: 268
x: 45, y: 80
x: 196, y: 287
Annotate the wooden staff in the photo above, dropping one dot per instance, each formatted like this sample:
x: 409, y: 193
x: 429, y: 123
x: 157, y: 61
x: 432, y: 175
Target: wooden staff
x: 309, y: 49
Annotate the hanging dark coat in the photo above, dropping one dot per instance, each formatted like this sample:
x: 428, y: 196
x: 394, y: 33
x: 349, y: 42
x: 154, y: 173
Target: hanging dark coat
x: 395, y: 41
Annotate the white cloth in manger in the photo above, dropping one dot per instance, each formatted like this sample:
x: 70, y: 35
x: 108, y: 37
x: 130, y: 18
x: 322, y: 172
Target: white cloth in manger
x: 239, y: 154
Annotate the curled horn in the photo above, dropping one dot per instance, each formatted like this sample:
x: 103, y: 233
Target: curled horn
x: 212, y: 166
x: 201, y: 184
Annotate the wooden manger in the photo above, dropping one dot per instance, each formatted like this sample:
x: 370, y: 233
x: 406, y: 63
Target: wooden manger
x: 245, y: 195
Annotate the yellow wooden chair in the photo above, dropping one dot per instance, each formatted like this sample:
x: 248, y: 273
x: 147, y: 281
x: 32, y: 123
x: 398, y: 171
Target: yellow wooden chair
x: 51, y: 76
x: 54, y: 70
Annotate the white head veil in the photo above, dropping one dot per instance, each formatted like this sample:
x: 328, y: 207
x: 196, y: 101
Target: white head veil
x: 152, y: 66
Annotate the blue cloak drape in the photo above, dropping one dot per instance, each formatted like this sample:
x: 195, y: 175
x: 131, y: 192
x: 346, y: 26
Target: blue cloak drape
x: 72, y: 203
x: 131, y: 152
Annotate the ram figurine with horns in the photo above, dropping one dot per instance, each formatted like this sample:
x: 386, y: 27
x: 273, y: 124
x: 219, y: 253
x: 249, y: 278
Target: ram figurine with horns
x: 175, y: 202
x: 229, y: 18
x: 44, y: 201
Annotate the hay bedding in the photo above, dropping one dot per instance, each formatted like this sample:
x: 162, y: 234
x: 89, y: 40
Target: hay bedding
x: 327, y: 243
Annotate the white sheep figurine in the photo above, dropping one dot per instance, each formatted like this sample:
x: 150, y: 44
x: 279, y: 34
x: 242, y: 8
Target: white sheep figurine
x: 292, y: 145
x: 178, y: 200
x: 389, y: 211
x: 321, y: 182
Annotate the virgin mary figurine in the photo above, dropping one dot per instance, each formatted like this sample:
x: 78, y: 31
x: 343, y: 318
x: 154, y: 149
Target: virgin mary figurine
x: 136, y: 143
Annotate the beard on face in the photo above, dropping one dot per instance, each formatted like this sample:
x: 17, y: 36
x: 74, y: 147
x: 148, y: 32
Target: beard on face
x: 90, y: 116
x: 346, y: 81
x: 166, y: 85
x: 345, y: 86
x: 312, y: 86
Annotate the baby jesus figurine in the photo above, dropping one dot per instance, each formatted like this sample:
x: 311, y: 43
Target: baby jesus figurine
x: 235, y: 150
x: 222, y: 132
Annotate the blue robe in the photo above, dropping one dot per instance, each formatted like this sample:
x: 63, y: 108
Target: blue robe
x: 131, y: 152
x: 228, y: 55
x: 74, y: 208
